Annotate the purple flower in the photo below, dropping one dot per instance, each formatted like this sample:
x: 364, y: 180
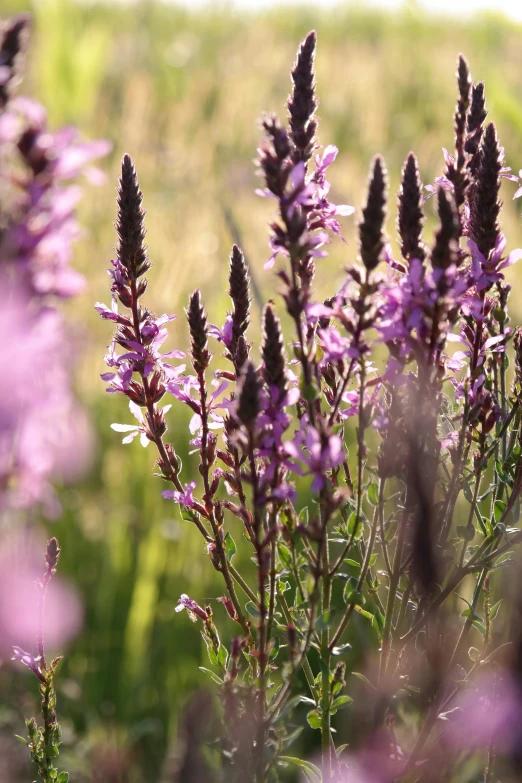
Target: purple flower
x: 192, y: 607
x: 224, y: 335
x: 487, y: 272
x: 489, y: 711
x: 318, y: 453
x: 295, y: 190
x: 182, y: 388
x: 135, y: 429
x: 28, y: 660
x: 39, y: 238
x: 335, y: 347
x: 185, y: 497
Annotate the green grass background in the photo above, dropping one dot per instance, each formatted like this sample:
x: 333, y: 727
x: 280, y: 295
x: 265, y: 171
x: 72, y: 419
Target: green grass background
x: 182, y: 92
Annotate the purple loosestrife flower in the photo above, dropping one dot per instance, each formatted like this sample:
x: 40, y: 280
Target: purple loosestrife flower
x: 304, y: 209
x: 141, y: 428
x: 318, y: 453
x: 30, y: 661
x: 488, y: 271
x: 39, y: 241
x: 43, y: 432
x: 421, y: 308
x: 192, y: 607
x: 273, y: 420
x: 185, y: 498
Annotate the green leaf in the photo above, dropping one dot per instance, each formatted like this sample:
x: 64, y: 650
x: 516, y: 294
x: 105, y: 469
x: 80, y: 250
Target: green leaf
x: 325, y: 620
x: 352, y: 596
x: 282, y: 586
x: 355, y: 526
x: 373, y: 493
x: 313, y: 771
x: 465, y: 532
x: 499, y: 509
x: 353, y: 563
x: 342, y: 649
x: 252, y: 609
x: 222, y: 656
x: 341, y: 701
x: 494, y: 610
x: 500, y: 472
x: 364, y: 613
x: 314, y: 719
x: 21, y: 739
x: 309, y: 391
x: 63, y: 777
x: 212, y: 675
x: 230, y: 547
x: 471, y: 614
x: 275, y: 648
x: 285, y: 556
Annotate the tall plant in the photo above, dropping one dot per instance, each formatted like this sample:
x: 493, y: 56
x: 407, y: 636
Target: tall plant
x: 422, y: 504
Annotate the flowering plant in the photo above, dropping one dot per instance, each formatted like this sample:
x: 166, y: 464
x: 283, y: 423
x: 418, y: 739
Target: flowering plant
x: 375, y: 473
x: 44, y: 433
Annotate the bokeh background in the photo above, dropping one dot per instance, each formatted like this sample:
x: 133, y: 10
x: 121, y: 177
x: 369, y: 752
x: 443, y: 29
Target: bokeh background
x: 182, y: 89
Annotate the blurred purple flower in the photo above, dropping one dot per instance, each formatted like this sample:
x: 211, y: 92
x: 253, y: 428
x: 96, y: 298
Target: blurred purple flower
x: 20, y: 575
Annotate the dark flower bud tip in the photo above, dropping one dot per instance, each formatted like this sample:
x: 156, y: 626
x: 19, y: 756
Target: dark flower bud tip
x: 239, y: 292
x: 248, y: 396
x: 197, y: 321
x: 52, y: 554
x: 475, y: 122
x: 411, y: 217
x: 446, y: 238
x: 131, y: 249
x: 273, y: 351
x: 463, y: 79
x: 371, y: 227
x: 485, y: 202
x: 14, y: 33
x: 302, y: 103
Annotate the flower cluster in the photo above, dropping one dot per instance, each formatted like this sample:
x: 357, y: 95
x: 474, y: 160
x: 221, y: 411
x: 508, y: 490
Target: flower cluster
x: 339, y: 521
x: 44, y: 434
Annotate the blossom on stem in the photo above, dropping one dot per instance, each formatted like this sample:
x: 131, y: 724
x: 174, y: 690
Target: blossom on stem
x: 32, y: 663
x: 192, y: 607
x: 185, y: 498
x: 317, y: 452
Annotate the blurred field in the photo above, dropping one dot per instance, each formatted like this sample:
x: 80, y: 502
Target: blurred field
x: 182, y: 92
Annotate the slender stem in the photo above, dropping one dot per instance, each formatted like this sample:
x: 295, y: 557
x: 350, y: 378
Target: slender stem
x: 362, y: 576
x: 392, y: 592
x: 242, y: 584
x: 325, y: 670
x: 304, y: 661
